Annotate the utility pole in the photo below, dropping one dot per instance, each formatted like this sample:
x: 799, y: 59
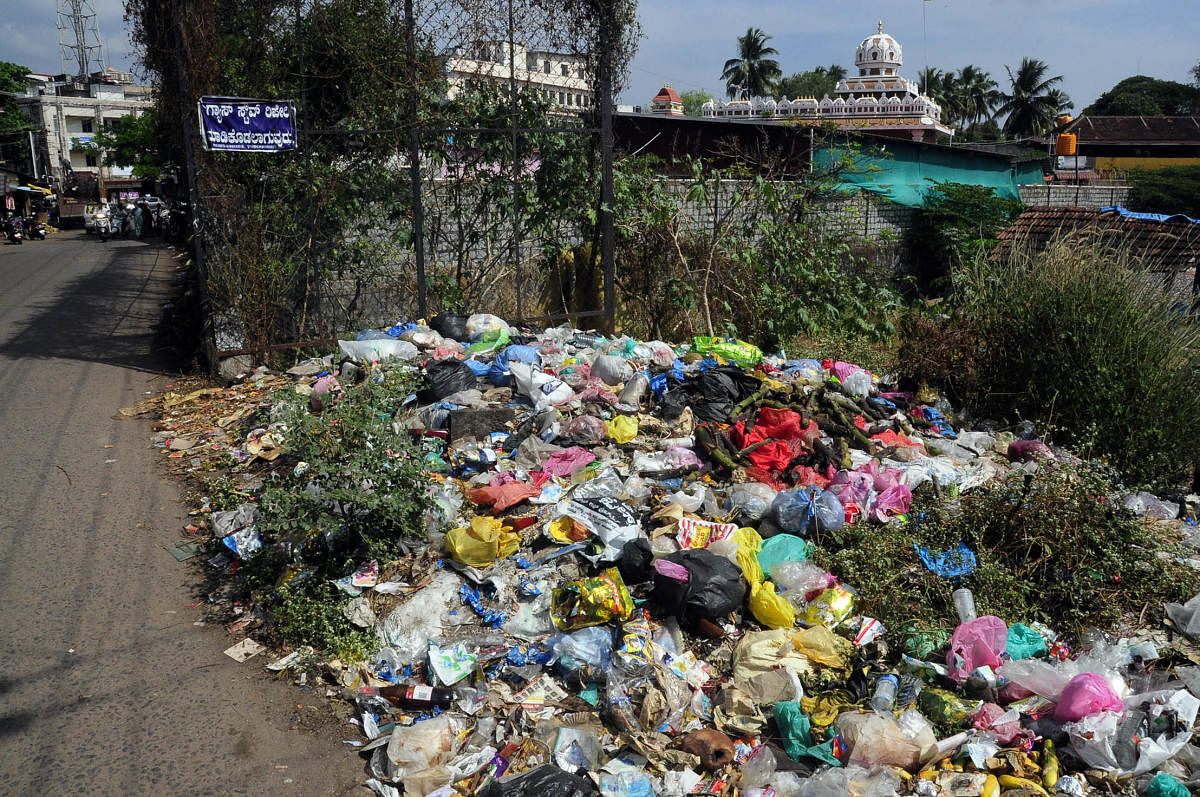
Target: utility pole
x: 78, y: 38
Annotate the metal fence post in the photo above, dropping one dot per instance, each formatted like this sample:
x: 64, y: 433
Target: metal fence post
x: 414, y: 155
x: 514, y: 110
x: 604, y: 77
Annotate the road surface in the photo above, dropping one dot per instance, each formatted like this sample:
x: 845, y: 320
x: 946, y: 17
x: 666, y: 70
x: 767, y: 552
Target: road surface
x: 107, y: 686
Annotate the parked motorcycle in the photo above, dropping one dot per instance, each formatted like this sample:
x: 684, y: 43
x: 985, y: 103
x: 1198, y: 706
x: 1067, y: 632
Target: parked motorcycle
x: 14, y: 229
x: 34, y: 229
x: 179, y: 223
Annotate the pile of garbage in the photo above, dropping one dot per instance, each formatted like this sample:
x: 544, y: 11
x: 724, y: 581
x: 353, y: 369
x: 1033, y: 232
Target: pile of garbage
x: 619, y: 594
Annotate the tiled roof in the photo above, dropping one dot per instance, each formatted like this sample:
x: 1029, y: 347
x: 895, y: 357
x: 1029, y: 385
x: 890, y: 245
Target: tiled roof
x: 1136, y: 129
x: 666, y: 94
x: 1164, y: 246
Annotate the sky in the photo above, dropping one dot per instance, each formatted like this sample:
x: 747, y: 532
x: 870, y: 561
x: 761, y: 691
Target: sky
x: 1093, y: 44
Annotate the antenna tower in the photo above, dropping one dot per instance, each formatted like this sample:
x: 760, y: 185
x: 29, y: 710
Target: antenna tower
x: 79, y: 39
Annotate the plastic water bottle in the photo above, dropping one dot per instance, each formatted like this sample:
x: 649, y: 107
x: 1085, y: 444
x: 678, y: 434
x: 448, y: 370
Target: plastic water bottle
x: 964, y: 604
x: 885, y: 694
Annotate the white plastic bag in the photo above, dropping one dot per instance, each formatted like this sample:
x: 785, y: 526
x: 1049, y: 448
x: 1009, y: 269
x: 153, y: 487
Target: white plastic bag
x: 365, y: 351
x: 544, y: 390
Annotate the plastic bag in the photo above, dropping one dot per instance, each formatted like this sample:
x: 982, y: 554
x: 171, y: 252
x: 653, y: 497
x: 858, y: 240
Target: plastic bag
x: 612, y: 370
x: 480, y: 324
x: 769, y: 607
x: 482, y: 543
x: 796, y: 729
x: 591, y: 601
x: 416, y: 748
x: 542, y: 388
x: 736, y: 351
x: 366, y: 351
x: 499, y: 373
x: 449, y: 325
x: 592, y: 646
x: 782, y: 548
x: 799, y: 579
x: 1086, y: 693
x: 1164, y: 785
x: 445, y: 378
x: 1024, y: 642
x: 829, y: 514
x: 752, y: 499
x: 622, y: 428
x: 830, y: 607
x: 978, y: 643
x: 587, y: 428
x: 807, y: 370
x: 873, y: 738
x: 892, y: 501
x: 714, y: 586
x: 545, y: 781
x: 792, y: 511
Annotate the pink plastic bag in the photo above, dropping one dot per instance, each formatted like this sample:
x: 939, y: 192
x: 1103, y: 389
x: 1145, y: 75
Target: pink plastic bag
x: 881, y: 479
x: 1087, y: 693
x: 893, y: 501
x: 978, y: 643
x: 567, y: 461
x: 852, y: 486
x: 1008, y: 733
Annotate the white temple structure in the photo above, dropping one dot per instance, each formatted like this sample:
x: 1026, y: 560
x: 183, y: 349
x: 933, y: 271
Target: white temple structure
x: 878, y: 100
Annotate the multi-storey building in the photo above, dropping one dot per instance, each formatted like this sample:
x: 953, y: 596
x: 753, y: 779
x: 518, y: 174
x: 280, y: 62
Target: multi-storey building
x: 559, y: 78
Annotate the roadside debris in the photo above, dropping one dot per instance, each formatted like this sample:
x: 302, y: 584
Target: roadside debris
x: 617, y: 590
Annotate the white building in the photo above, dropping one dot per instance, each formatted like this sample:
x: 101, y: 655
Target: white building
x: 559, y: 78
x: 67, y: 114
x: 877, y: 100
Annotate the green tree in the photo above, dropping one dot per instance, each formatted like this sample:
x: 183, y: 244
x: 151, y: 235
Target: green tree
x: 1033, y: 99
x: 942, y: 88
x: 1175, y: 189
x: 1146, y: 96
x: 753, y: 73
x: 978, y: 94
x: 131, y: 141
x: 693, y: 99
x: 13, y: 121
x: 814, y: 83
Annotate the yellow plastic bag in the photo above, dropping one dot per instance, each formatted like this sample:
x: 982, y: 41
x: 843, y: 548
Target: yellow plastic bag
x: 823, y: 646
x: 622, y: 428
x: 480, y: 545
x: 769, y: 607
x: 749, y: 543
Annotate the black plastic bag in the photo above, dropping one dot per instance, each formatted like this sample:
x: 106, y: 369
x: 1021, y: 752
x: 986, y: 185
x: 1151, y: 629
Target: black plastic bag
x: 636, y: 564
x: 714, y: 587
x: 446, y: 377
x: 449, y: 325
x: 545, y: 781
x: 718, y: 390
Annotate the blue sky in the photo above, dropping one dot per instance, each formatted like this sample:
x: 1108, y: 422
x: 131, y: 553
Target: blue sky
x: 1091, y: 43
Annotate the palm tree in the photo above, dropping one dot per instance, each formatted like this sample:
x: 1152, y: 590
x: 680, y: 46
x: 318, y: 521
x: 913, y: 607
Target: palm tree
x: 1033, y: 101
x: 942, y: 88
x: 752, y: 73
x: 978, y: 94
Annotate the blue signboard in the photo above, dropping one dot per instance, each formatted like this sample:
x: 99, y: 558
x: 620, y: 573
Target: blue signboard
x: 232, y: 124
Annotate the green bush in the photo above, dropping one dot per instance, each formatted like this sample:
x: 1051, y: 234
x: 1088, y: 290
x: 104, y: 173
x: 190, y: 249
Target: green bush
x: 1080, y: 340
x: 1172, y: 190
x: 958, y: 224
x: 310, y: 613
x: 1055, y: 547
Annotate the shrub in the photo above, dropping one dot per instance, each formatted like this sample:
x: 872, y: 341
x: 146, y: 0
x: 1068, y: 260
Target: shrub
x: 1079, y: 338
x: 1053, y: 547
x: 1172, y: 190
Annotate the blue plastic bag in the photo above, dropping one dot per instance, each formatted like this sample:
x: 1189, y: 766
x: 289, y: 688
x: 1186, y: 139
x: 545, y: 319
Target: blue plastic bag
x: 792, y: 511
x: 499, y: 374
x: 955, y: 562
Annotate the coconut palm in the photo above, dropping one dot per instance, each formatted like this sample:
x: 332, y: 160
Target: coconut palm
x: 1033, y: 100
x: 752, y: 73
x: 942, y: 88
x: 978, y: 94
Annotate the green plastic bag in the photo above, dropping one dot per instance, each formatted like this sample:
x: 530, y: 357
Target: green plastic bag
x: 796, y: 729
x: 736, y: 351
x: 781, y: 548
x: 1165, y: 785
x: 491, y: 341
x: 1024, y: 642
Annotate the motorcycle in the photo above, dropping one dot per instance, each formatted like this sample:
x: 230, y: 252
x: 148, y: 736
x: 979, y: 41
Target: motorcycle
x: 179, y: 222
x: 103, y: 224
x: 14, y: 230
x: 34, y: 229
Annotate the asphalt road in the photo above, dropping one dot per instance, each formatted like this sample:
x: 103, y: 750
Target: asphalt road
x: 107, y: 686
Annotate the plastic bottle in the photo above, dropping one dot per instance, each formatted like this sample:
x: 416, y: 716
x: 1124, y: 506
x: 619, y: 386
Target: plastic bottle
x: 885, y: 694
x: 418, y: 696
x: 964, y: 604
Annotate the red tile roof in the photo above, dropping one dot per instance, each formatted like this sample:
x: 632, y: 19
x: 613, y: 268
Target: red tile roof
x: 1136, y: 129
x: 1163, y: 246
x: 666, y: 94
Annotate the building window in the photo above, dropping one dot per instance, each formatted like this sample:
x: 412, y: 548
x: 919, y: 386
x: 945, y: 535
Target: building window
x: 90, y: 160
x: 566, y: 70
x: 561, y: 100
x: 86, y: 125
x: 579, y: 73
x: 546, y: 67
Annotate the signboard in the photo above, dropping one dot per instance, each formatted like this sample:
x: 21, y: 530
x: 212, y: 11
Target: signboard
x: 231, y: 124
x: 129, y: 194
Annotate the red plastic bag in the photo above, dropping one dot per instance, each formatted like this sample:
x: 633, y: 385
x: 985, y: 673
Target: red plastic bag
x: 978, y: 643
x: 1086, y: 693
x: 504, y: 496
